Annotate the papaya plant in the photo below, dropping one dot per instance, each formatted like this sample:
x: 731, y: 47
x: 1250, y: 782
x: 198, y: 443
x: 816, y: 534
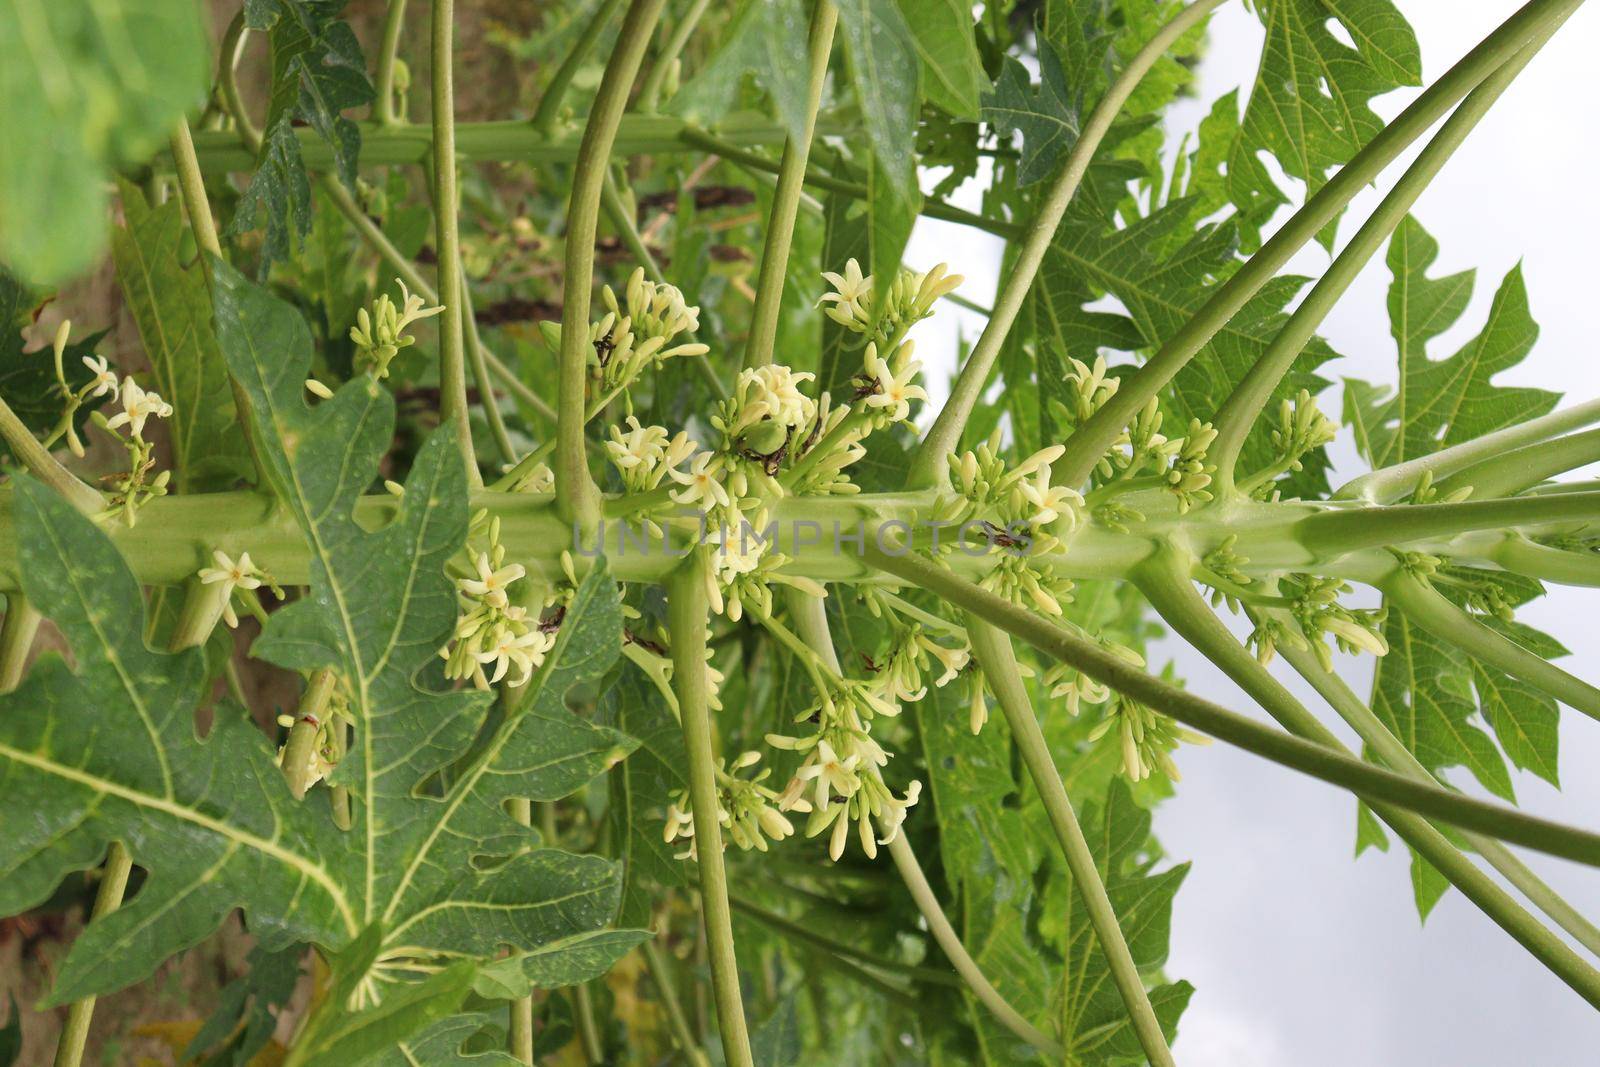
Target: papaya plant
x: 453, y: 671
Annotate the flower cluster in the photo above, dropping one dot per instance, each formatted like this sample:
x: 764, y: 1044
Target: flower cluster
x: 1189, y: 474
x: 766, y: 420
x: 102, y: 383
x: 1301, y: 429
x: 1067, y: 683
x: 492, y: 634
x: 1147, y: 738
x: 130, y: 490
x: 1017, y: 508
x: 1314, y: 612
x: 636, y: 332
x: 381, y: 334
x: 644, y: 455
x: 841, y: 781
x: 747, y: 810
x: 888, y: 386
x: 910, y: 299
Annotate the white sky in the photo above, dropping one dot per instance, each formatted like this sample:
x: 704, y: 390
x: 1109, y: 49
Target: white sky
x: 1300, y: 955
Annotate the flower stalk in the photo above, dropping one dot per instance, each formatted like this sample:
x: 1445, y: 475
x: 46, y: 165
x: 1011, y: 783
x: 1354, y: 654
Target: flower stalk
x: 688, y: 620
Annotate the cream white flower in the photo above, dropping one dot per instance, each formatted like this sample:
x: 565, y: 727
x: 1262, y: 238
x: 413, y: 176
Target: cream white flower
x: 137, y: 406
x: 894, y: 392
x: 781, y: 391
x: 700, y: 483
x: 234, y: 575
x: 490, y: 584
x: 830, y: 773
x: 525, y: 651
x: 104, y: 382
x: 853, y: 293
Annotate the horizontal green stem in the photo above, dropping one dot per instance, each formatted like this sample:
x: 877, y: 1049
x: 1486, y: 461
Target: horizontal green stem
x: 1373, y: 783
x: 1394, y: 482
x: 1422, y: 604
x: 509, y: 140
x: 1352, y: 529
x: 1089, y: 442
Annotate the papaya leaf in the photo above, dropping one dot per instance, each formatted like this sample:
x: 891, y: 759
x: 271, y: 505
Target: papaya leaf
x: 1438, y: 403
x: 1310, y: 105
x: 760, y: 41
x: 450, y: 1043
x: 952, y: 73
x: 1437, y: 709
x: 110, y: 751
x: 1045, y: 117
x: 567, y: 962
x: 172, y: 307
x: 317, y: 72
x: 85, y: 88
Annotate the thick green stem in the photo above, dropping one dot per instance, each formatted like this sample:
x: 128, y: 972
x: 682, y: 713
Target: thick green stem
x: 1167, y: 586
x: 16, y: 640
x: 577, y: 496
x: 202, y: 610
x: 1374, y: 784
x: 549, y: 110
x: 1244, y: 405
x: 1420, y: 603
x: 688, y: 620
x: 786, y: 197
x: 1388, y: 748
x: 661, y: 974
x: 1522, y: 468
x: 1351, y: 529
x: 682, y: 30
x: 1090, y: 441
x: 297, y: 751
x: 994, y: 654
x: 1392, y: 483
x: 811, y: 622
x: 394, y: 24
x: 107, y: 899
x: 1560, y: 565
x: 42, y: 465
x: 447, y: 238
x: 928, y: 464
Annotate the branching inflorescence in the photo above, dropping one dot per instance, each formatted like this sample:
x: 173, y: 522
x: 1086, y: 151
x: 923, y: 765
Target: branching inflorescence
x: 843, y: 579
